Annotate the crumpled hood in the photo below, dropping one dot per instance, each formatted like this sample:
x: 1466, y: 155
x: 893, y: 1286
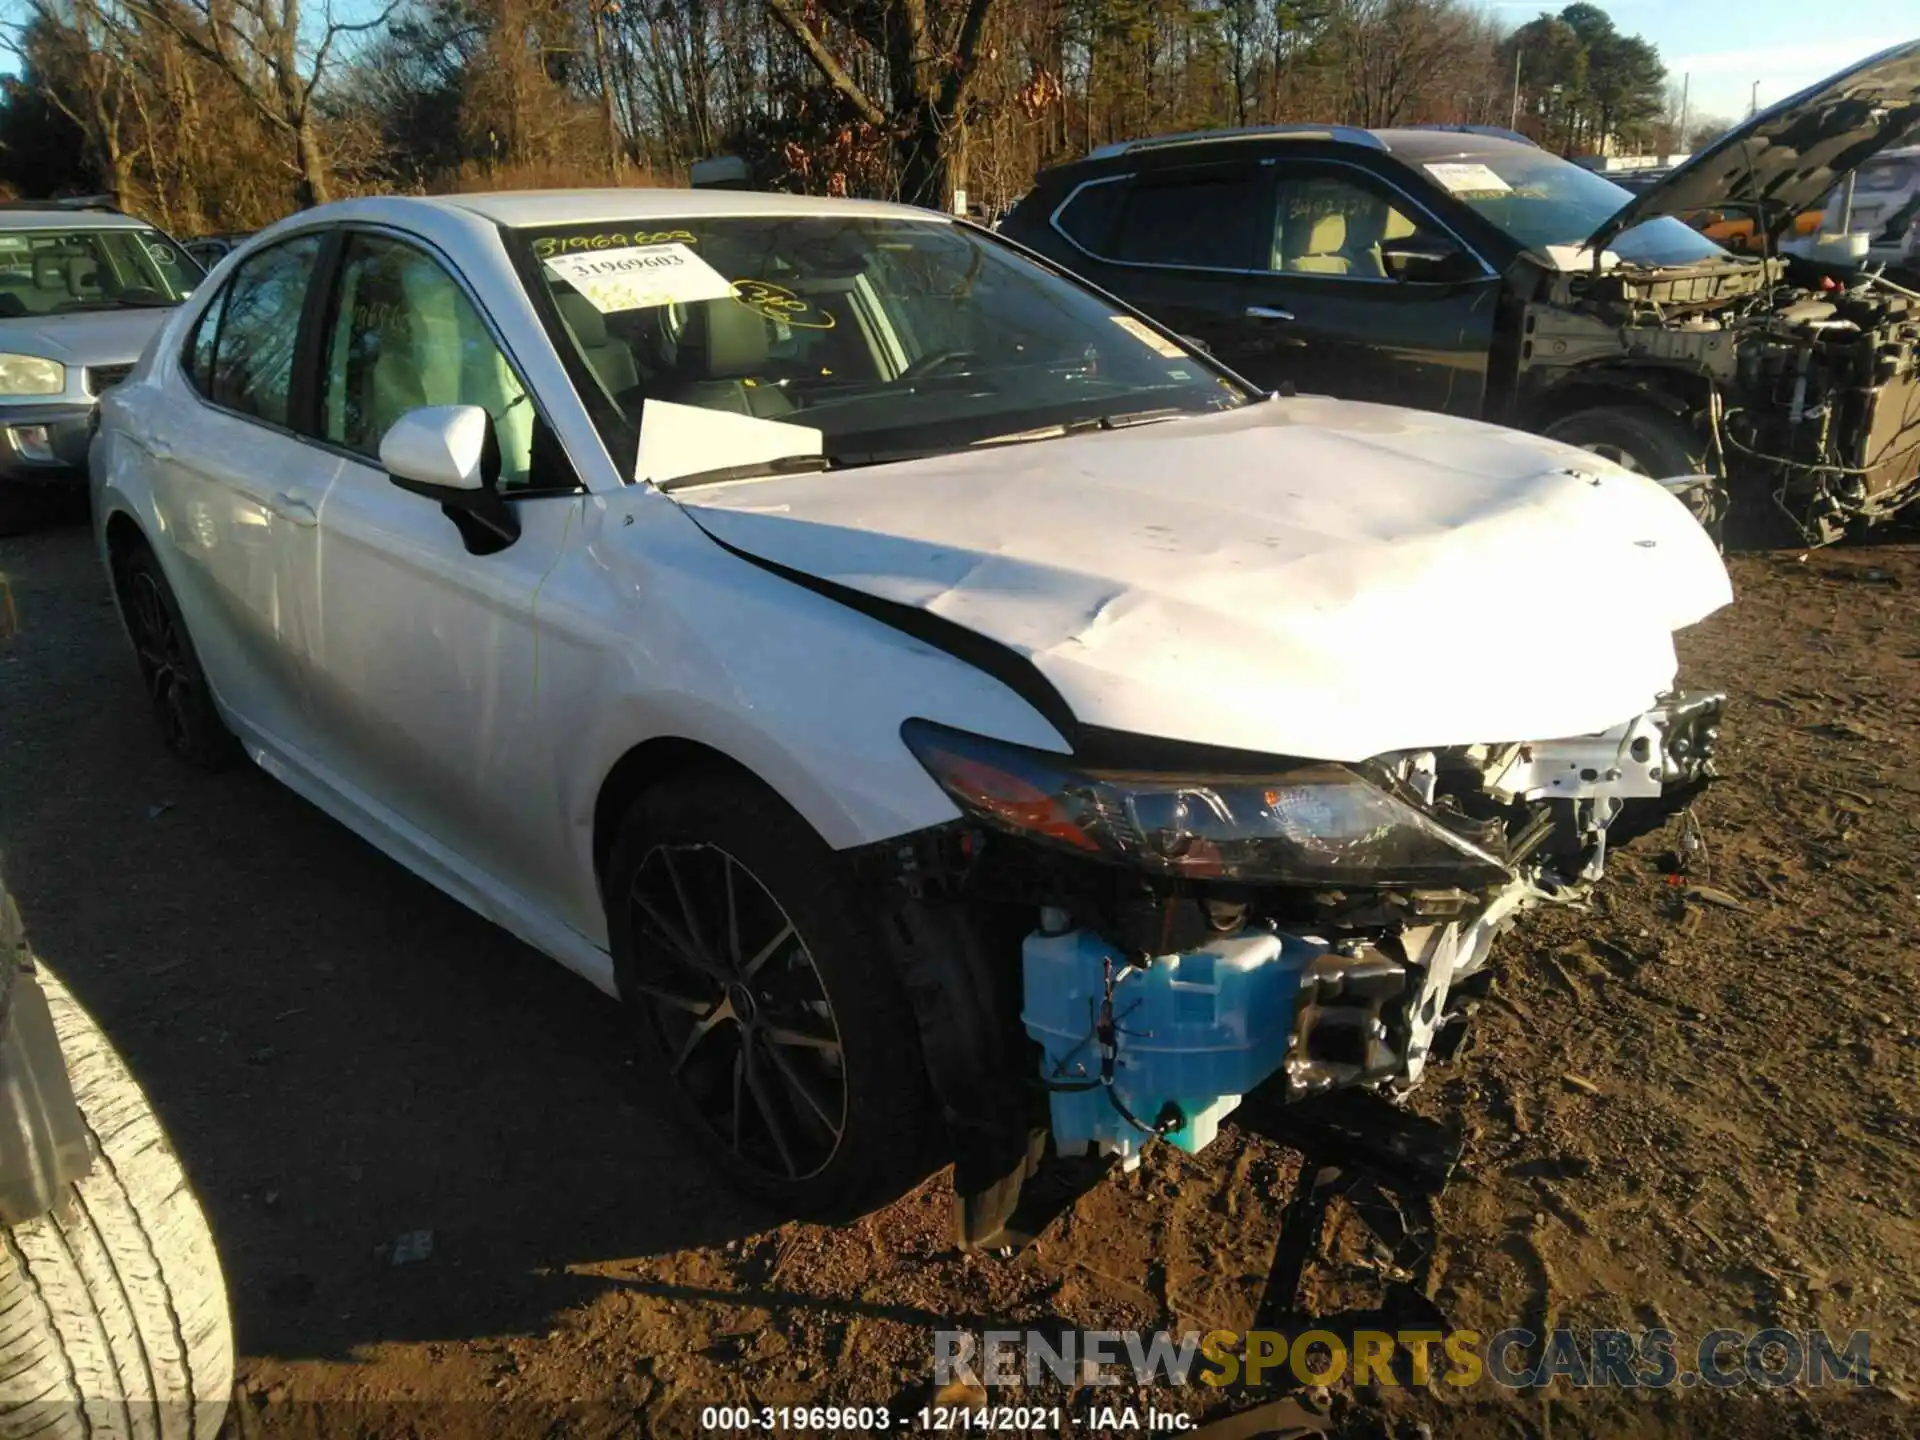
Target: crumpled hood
x: 1790, y: 155
x: 1304, y: 576
x: 84, y: 337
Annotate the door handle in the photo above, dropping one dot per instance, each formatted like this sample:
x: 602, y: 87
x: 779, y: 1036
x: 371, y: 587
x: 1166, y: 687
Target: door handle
x: 1267, y: 312
x: 294, y: 508
x: 158, y: 449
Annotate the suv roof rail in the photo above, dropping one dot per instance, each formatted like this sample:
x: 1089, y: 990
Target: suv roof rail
x: 66, y: 202
x: 1346, y: 134
x: 1497, y: 132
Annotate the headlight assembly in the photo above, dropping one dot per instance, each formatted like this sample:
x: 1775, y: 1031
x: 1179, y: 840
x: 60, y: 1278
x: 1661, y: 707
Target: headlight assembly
x: 31, y: 375
x: 1319, y: 824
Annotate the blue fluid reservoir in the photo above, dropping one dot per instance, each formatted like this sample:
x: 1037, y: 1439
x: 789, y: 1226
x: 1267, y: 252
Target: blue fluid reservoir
x: 1197, y: 1031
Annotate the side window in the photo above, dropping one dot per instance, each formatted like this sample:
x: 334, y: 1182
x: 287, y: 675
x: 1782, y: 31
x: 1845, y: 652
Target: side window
x: 403, y: 335
x: 1326, y: 224
x: 1190, y: 217
x: 198, y: 359
x: 252, y: 361
x: 1088, y: 217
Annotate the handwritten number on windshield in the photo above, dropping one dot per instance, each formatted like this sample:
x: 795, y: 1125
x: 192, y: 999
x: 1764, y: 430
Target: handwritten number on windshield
x: 776, y: 302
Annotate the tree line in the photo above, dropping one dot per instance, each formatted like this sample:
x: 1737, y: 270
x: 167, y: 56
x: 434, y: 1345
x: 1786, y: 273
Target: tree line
x: 212, y: 115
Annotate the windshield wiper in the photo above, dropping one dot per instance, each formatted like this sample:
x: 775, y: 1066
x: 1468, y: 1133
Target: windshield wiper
x: 755, y: 470
x: 1081, y: 426
x: 1143, y: 417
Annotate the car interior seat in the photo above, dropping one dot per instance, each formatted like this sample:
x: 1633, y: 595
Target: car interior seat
x: 83, y: 277
x: 610, y: 358
x: 1367, y: 220
x: 1315, y: 245
x: 50, y: 279
x: 720, y: 356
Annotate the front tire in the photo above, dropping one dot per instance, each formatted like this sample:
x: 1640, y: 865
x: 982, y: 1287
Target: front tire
x: 1635, y: 437
x: 762, y: 1002
x: 113, y: 1310
x: 170, y: 670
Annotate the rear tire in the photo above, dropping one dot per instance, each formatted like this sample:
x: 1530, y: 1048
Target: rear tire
x: 113, y: 1310
x: 829, y: 1038
x: 170, y: 670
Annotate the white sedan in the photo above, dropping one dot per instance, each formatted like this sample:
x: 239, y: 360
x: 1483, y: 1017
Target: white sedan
x: 887, y: 664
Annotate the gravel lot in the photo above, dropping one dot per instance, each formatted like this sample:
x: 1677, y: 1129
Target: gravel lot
x: 1690, y: 1110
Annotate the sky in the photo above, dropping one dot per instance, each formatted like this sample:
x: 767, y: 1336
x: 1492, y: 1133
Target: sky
x: 1727, y: 45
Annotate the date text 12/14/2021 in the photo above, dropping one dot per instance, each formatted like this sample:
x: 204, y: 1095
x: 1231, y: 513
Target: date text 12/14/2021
x: 940, y: 1419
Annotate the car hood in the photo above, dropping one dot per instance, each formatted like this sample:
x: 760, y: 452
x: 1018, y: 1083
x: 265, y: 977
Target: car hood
x: 1786, y: 158
x: 84, y: 337
x: 1303, y: 577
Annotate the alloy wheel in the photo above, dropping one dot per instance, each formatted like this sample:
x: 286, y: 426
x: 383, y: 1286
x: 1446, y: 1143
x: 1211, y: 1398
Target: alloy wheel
x: 162, y: 653
x: 746, y: 1029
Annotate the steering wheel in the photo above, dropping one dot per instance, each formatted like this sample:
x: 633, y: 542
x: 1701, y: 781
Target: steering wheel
x: 934, y: 361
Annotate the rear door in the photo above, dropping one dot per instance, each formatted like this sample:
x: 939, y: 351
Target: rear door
x: 1328, y: 312
x: 1178, y: 242
x: 233, y: 484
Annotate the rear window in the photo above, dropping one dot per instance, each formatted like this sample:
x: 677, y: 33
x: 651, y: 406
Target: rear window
x: 1089, y: 215
x: 1199, y: 218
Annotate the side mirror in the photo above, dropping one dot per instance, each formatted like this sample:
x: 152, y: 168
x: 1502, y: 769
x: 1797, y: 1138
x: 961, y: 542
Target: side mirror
x: 1424, y: 259
x: 449, y: 453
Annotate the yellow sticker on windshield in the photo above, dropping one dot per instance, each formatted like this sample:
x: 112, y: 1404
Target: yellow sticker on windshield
x: 1149, y: 337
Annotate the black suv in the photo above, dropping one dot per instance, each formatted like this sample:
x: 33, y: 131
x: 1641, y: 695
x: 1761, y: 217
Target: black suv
x: 1468, y: 271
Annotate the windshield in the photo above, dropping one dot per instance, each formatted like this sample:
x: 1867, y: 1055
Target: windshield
x: 50, y: 272
x: 849, y: 339
x: 1542, y: 200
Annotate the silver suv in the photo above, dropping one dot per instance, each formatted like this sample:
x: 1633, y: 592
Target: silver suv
x: 82, y: 289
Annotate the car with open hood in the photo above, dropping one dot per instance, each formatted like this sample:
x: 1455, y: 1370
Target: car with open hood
x: 1488, y: 278
x: 886, y: 664
x: 82, y: 289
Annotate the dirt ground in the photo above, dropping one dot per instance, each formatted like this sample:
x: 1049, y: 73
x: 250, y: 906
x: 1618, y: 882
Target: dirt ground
x: 1694, y: 1111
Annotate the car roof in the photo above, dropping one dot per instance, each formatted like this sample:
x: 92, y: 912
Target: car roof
x: 1424, y: 145
x: 1414, y: 143
x: 55, y: 219
x: 517, y: 208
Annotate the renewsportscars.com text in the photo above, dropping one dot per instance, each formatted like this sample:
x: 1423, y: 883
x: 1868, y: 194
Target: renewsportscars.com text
x: 1515, y: 1358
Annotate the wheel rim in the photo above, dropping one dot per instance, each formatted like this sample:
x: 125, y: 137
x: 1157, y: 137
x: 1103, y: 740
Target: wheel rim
x: 745, y: 1024
x: 1623, y: 458
x: 163, y: 660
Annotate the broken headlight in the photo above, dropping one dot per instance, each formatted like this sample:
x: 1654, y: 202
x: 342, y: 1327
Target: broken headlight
x: 1317, y: 824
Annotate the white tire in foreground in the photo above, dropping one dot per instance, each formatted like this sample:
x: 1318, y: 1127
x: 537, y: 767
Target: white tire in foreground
x: 113, y: 1311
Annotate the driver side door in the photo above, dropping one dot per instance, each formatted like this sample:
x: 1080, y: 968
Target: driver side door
x: 424, y: 658
x: 1327, y: 311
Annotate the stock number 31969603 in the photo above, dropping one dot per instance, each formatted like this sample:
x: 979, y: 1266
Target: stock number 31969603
x: 878, y: 1419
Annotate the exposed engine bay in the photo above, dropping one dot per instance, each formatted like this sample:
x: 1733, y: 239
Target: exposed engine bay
x: 1804, y: 385
x: 1306, y: 931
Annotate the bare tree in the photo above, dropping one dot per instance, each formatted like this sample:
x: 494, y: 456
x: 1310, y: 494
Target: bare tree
x: 258, y: 45
x: 931, y: 71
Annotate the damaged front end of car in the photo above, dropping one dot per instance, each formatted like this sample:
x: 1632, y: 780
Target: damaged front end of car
x: 1805, y: 390
x: 1800, y: 380
x: 1120, y: 950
